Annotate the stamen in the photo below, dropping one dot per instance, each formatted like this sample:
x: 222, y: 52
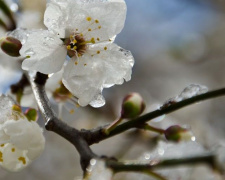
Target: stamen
x: 1, y: 154
x: 22, y: 159
x: 88, y: 18
x: 72, y: 111
x: 74, y: 41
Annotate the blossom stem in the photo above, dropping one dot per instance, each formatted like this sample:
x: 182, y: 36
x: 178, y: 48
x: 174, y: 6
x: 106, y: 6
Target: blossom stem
x: 112, y: 126
x: 151, y: 128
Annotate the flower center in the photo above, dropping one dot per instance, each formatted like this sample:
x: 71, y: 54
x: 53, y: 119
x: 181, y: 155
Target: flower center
x: 77, y: 45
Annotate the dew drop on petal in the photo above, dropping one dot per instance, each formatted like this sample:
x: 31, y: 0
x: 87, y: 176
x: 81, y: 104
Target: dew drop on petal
x: 98, y: 102
x: 49, y: 38
x: 29, y: 52
x: 161, y: 151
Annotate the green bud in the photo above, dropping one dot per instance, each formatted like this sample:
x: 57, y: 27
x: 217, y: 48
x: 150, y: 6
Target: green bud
x: 132, y: 106
x: 176, y: 134
x: 31, y: 114
x: 11, y: 46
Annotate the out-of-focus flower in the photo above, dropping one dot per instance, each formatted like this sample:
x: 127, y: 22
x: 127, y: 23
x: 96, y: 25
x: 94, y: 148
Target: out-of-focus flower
x: 85, y: 31
x: 98, y: 170
x: 21, y: 141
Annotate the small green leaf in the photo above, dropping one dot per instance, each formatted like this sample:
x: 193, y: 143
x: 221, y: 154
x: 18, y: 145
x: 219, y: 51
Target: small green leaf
x: 31, y: 114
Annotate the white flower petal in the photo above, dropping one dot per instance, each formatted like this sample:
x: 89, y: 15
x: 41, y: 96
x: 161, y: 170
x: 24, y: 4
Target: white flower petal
x: 46, y: 52
x: 21, y: 141
x: 54, y: 18
x: 111, y: 14
x: 94, y: 71
x: 13, y: 158
x: 71, y: 16
x: 84, y: 81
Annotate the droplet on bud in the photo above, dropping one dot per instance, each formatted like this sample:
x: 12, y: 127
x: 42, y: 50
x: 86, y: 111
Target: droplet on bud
x: 11, y: 46
x: 132, y: 106
x: 176, y: 134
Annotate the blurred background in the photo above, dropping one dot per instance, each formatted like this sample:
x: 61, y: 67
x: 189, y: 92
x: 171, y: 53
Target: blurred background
x: 175, y: 43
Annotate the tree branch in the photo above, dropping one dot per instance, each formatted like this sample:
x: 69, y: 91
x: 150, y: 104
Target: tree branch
x: 208, y: 159
x: 96, y: 135
x: 58, y: 126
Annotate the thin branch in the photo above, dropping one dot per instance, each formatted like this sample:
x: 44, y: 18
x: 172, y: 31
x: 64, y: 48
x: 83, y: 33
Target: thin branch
x: 97, y: 135
x: 58, y: 126
x: 208, y: 159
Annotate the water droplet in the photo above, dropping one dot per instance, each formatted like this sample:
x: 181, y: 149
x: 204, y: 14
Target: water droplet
x: 190, y: 91
x: 158, y: 119
x: 161, y: 151
x: 14, y: 7
x: 49, y: 38
x: 98, y: 101
x: 147, y: 156
x: 29, y: 52
x: 93, y: 162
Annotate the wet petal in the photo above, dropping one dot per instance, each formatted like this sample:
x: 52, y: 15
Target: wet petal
x: 45, y: 51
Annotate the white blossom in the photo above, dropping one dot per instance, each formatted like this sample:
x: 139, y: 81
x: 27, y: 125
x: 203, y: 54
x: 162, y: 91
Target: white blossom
x: 85, y: 31
x: 21, y: 141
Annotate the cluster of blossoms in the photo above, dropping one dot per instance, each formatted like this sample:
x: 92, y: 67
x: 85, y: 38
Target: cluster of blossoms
x: 84, y: 31
x: 21, y: 140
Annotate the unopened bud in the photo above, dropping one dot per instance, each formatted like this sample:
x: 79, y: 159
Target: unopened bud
x: 11, y: 46
x: 176, y: 133
x: 133, y: 105
x: 31, y: 114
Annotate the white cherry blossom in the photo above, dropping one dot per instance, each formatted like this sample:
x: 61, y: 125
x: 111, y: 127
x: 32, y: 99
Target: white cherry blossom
x: 85, y: 31
x: 21, y: 141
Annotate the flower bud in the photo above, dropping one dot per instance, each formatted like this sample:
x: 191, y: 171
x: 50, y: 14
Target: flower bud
x: 11, y: 46
x: 176, y: 133
x: 132, y: 106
